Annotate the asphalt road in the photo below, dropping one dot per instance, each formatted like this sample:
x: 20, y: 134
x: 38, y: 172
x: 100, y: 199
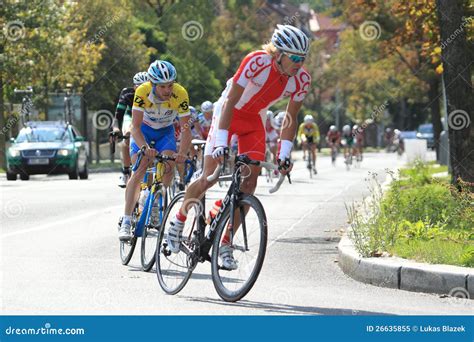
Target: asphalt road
x: 59, y: 253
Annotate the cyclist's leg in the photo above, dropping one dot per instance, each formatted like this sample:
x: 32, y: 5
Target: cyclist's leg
x: 252, y: 144
x: 126, y: 160
x: 165, y: 143
x: 313, y: 153
x: 131, y: 192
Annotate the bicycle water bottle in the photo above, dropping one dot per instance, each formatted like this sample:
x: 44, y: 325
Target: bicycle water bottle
x: 213, y: 212
x: 155, y: 213
x: 142, y: 200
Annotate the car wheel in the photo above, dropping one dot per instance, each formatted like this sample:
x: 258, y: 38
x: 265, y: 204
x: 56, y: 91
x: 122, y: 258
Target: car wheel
x: 11, y: 176
x: 85, y: 173
x: 24, y: 176
x: 75, y: 173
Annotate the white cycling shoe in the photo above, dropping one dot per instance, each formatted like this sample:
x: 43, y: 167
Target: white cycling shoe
x: 226, y: 254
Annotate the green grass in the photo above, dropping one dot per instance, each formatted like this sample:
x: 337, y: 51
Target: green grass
x: 2, y: 170
x: 435, y: 252
x: 419, y: 217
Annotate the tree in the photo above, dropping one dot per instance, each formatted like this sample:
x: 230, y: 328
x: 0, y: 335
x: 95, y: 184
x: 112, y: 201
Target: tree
x: 457, y: 60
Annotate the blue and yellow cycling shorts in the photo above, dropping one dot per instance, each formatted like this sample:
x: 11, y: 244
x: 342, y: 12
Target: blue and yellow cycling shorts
x: 162, y: 139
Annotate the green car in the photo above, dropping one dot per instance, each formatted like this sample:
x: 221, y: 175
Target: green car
x: 47, y: 147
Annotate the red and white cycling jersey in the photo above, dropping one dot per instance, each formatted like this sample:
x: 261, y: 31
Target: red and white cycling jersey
x: 264, y: 85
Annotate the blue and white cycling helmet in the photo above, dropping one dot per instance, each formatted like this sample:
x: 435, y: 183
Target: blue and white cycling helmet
x: 207, y: 106
x: 161, y: 72
x: 140, y: 77
x: 192, y: 110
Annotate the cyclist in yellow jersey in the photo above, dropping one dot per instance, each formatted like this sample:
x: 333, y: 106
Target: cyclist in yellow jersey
x: 155, y: 105
x: 308, y: 137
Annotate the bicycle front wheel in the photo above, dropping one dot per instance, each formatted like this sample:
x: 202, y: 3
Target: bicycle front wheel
x: 248, y: 246
x: 174, y: 269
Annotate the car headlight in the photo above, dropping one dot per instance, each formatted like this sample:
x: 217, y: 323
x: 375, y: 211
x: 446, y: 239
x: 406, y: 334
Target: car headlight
x: 64, y: 152
x: 14, y: 153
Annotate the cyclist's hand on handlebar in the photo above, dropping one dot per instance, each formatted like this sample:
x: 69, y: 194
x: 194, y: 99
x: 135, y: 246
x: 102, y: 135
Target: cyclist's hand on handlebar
x: 179, y: 158
x: 219, y: 153
x: 285, y: 166
x: 149, y: 152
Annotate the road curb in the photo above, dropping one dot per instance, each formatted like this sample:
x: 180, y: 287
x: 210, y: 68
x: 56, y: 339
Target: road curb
x: 405, y: 274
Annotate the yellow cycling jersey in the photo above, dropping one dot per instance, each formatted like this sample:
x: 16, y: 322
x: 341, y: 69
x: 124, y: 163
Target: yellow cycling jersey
x: 159, y: 114
x: 305, y: 132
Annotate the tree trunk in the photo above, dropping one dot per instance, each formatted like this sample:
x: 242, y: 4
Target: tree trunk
x: 457, y: 76
x: 3, y: 132
x: 433, y: 98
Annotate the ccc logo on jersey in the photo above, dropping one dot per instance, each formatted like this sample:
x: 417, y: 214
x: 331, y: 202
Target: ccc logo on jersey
x: 139, y: 101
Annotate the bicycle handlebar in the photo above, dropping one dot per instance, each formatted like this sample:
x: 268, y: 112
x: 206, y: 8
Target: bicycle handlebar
x: 159, y: 158
x: 266, y: 165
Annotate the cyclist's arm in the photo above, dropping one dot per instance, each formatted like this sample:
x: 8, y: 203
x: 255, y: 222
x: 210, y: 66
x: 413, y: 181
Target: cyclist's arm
x: 137, y: 116
x: 316, y: 135
x: 235, y: 93
x: 119, y: 114
x: 289, y: 130
x: 300, y: 136
x: 185, y: 123
x: 198, y: 128
x: 135, y: 128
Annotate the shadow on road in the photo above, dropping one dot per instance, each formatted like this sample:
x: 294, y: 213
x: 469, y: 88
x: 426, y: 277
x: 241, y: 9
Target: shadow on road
x: 285, y: 309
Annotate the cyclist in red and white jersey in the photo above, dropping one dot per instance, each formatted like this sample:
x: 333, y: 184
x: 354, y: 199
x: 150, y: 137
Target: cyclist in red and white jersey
x: 263, y: 78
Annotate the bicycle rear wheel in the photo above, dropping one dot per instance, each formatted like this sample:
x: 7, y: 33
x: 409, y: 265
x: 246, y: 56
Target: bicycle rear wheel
x: 151, y: 232
x: 248, y: 249
x: 174, y: 269
x: 128, y: 247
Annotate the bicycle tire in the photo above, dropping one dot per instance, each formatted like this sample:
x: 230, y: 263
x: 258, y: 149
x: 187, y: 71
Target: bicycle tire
x: 147, y: 264
x: 222, y: 291
x: 159, y: 249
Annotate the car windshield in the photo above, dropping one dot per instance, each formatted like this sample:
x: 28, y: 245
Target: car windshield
x: 43, y: 134
x: 426, y: 129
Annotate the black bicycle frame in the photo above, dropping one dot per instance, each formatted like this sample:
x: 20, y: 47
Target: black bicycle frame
x: 232, y: 197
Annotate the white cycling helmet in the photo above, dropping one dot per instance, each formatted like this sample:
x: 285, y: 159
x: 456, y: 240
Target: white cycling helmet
x: 290, y: 39
x: 333, y: 128
x: 140, y: 77
x: 346, y: 129
x: 308, y: 118
x: 396, y: 131
x: 277, y: 121
x: 355, y: 128
x: 269, y: 114
x: 161, y: 72
x: 207, y: 106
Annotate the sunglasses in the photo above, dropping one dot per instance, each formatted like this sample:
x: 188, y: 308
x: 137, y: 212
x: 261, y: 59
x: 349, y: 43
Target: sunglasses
x: 295, y: 58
